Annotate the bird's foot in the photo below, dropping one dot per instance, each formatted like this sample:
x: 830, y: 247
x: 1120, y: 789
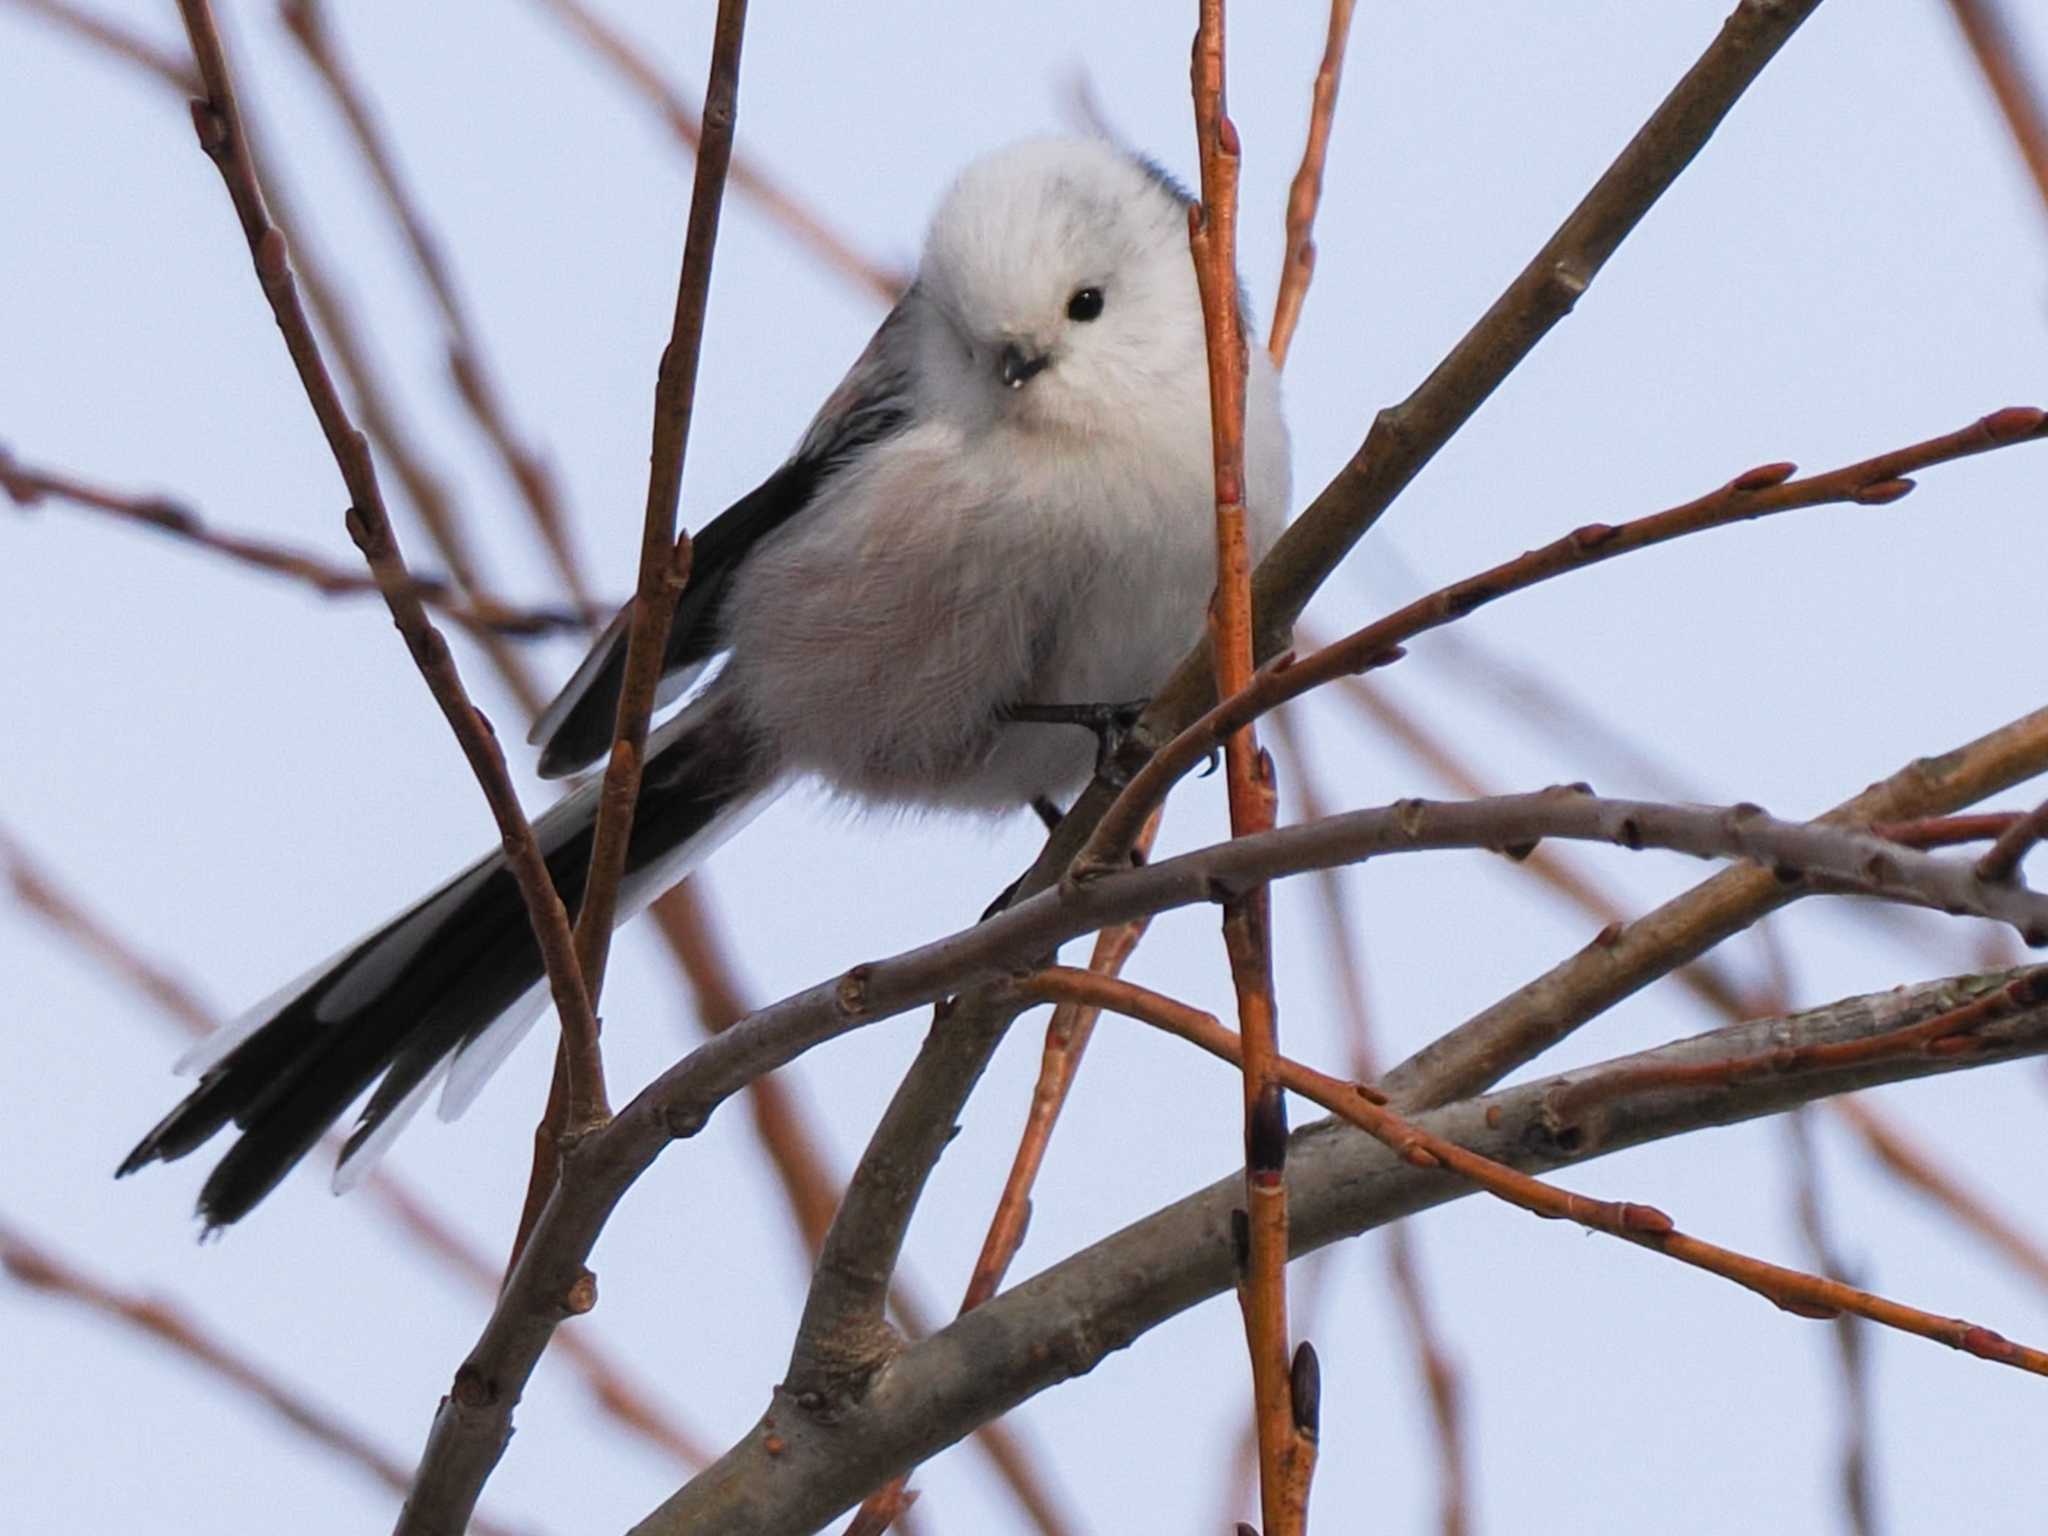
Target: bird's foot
x: 1110, y: 723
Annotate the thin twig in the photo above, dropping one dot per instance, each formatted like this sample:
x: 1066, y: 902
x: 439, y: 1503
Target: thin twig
x: 1433, y: 1361
x: 1286, y: 1456
x: 576, y: 1098
x: 841, y: 1343
x: 218, y: 121
x: 528, y: 471
x: 1954, y: 1032
x: 805, y: 227
x: 1990, y: 37
x: 1533, y: 1018
x: 27, y: 486
x: 1298, y: 266
x: 2002, y: 859
x: 1030, y: 1338
x: 1759, y: 492
x: 1794, y: 1291
x: 1946, y: 831
x: 32, y: 1265
x: 664, y: 563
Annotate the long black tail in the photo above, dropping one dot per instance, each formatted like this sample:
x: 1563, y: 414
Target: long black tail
x: 452, y: 981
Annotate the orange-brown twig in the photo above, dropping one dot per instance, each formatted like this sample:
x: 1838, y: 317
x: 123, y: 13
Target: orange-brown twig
x: 1915, y: 1167
x: 1286, y: 1450
x: 806, y: 228
x: 218, y: 121
x: 2002, y: 859
x: 1792, y: 1290
x: 1433, y: 1361
x: 1991, y: 40
x: 1945, y: 831
x: 34, y: 1266
x: 1759, y: 492
x: 27, y: 486
x: 528, y: 471
x: 1298, y: 266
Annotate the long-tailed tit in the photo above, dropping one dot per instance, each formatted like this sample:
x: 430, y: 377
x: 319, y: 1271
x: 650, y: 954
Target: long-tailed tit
x: 1006, y: 502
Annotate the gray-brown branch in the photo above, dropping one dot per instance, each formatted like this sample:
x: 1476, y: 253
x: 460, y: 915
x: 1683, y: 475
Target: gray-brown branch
x: 1062, y: 1323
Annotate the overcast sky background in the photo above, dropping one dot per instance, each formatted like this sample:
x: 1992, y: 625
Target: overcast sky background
x: 241, y: 776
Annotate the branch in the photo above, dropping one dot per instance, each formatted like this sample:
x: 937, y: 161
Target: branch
x: 218, y: 121
x: 1063, y: 1322
x: 1298, y: 266
x: 36, y: 1268
x: 1759, y: 492
x: 549, y: 1281
x: 1286, y: 1451
x: 27, y: 486
x: 1621, y: 961
x: 1794, y: 1291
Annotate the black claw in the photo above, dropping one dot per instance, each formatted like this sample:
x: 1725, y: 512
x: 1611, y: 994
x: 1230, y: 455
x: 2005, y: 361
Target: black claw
x: 1111, y: 723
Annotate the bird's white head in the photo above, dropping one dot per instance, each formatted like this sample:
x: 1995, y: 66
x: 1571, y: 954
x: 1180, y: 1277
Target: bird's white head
x: 1060, y: 289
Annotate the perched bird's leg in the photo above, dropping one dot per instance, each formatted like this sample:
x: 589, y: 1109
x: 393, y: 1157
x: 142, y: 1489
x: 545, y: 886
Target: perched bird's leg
x: 1111, y: 723
x: 1048, y: 812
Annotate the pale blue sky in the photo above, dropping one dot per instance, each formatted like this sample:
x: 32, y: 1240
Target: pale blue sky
x: 241, y: 776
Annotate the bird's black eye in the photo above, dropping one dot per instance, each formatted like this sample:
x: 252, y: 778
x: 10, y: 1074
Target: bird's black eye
x: 1086, y: 304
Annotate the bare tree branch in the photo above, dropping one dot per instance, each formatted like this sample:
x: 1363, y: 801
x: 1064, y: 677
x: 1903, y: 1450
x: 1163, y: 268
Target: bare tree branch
x: 844, y: 1305
x: 1306, y: 192
x: 1521, y: 1026
x: 1759, y: 492
x: 1063, y: 1322
x: 219, y: 125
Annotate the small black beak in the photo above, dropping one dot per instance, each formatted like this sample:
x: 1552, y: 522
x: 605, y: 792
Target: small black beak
x: 1017, y: 369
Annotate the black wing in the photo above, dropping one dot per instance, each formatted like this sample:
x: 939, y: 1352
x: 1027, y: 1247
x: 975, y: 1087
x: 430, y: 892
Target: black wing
x: 872, y: 402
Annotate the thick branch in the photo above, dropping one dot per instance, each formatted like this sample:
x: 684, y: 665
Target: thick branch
x: 1063, y: 1322
x: 1527, y: 1022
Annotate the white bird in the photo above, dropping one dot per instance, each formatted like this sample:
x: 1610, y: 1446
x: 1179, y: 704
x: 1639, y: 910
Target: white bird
x: 1007, y: 502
